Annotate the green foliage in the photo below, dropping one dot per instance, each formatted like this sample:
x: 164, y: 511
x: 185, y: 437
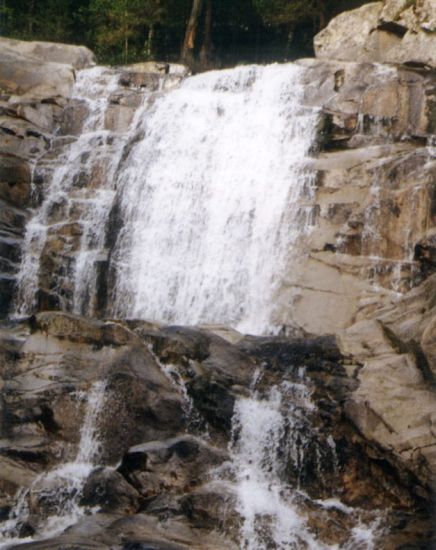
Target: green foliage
x: 121, y: 31
x: 290, y: 12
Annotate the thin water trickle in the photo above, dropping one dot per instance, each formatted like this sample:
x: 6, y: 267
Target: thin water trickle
x: 59, y: 491
x: 78, y: 198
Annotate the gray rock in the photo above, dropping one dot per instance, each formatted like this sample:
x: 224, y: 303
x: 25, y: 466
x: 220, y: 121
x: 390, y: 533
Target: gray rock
x: 78, y: 57
x: 395, y: 31
x: 109, y: 491
x: 21, y: 74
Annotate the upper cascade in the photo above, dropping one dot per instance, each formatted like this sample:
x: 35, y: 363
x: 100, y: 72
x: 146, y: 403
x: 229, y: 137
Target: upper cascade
x: 212, y: 190
x: 214, y: 199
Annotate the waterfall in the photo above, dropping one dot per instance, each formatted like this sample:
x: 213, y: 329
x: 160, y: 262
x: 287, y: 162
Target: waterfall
x: 214, y: 199
x: 214, y: 191
x: 59, y: 490
x: 268, y: 515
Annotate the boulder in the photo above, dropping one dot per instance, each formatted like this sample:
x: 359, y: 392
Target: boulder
x: 212, y: 369
x: 394, y: 31
x: 108, y: 490
x: 48, y: 398
x: 21, y: 74
x: 392, y: 359
x: 79, y: 57
x: 171, y: 467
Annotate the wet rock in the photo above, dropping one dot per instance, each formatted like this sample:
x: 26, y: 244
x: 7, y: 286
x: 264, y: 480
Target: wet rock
x: 173, y: 343
x: 109, y: 491
x: 171, y: 467
x: 73, y: 118
x: 212, y: 507
x: 158, y: 68
x: 81, y: 352
x: 211, y: 367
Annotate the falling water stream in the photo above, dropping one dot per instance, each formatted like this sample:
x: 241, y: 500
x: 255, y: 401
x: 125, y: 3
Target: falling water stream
x: 59, y: 490
x: 272, y: 434
x: 215, y: 198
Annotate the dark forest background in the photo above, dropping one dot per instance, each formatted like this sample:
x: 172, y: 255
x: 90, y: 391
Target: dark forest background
x: 202, y: 33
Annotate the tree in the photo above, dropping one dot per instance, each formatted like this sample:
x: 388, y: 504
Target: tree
x: 119, y: 22
x: 187, y: 55
x: 287, y: 14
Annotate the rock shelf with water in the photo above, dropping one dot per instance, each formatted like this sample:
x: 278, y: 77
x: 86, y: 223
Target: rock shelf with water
x: 273, y: 459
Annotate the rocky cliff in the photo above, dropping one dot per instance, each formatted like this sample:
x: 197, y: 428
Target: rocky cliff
x: 357, y: 310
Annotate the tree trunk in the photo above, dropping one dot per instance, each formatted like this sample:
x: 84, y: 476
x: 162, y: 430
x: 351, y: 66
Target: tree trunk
x: 126, y: 37
x: 187, y: 54
x: 150, y: 42
x: 31, y: 17
x: 207, y: 46
x: 289, y: 40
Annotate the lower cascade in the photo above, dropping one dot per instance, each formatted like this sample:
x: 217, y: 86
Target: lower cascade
x: 273, y: 435
x: 266, y: 472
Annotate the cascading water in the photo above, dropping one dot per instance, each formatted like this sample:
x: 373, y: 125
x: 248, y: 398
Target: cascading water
x: 273, y: 434
x: 214, y: 199
x: 59, y: 490
x: 268, y: 518
x: 80, y: 192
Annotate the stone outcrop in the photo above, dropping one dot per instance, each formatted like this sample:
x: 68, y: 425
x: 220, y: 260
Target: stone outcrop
x: 373, y: 202
x: 395, y: 31
x: 79, y: 57
x: 38, y: 121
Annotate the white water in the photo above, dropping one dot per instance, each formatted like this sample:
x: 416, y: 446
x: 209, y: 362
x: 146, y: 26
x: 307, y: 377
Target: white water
x: 96, y: 152
x: 60, y: 489
x: 215, y: 198
x: 270, y: 433
x: 265, y: 503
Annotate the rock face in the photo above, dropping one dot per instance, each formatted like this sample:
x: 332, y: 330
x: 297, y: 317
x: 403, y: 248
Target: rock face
x: 39, y: 120
x: 395, y: 31
x: 35, y: 82
x: 79, y: 57
x: 373, y: 207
